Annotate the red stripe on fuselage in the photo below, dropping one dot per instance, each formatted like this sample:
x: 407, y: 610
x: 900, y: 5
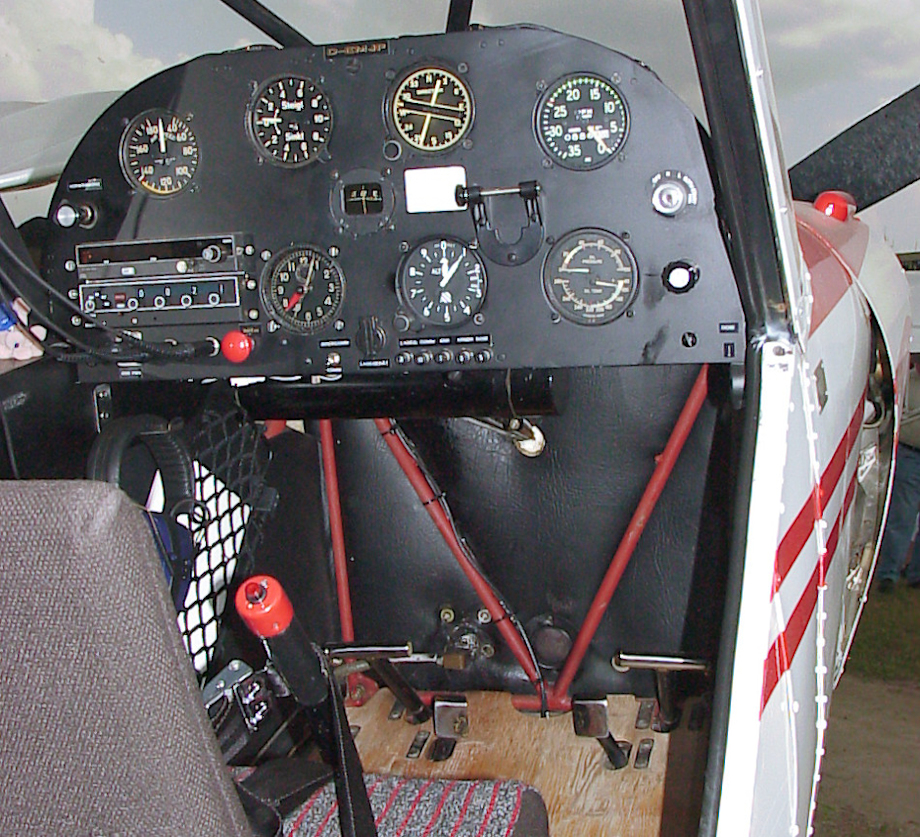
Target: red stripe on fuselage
x: 787, y: 643
x: 799, y: 532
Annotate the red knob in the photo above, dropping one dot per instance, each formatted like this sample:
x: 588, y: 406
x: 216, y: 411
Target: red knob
x: 839, y: 205
x: 236, y: 346
x: 264, y: 606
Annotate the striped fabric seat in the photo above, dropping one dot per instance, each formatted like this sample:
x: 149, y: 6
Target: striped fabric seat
x: 431, y: 808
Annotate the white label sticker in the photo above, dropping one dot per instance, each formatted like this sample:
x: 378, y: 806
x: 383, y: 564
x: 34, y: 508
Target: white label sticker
x: 434, y: 189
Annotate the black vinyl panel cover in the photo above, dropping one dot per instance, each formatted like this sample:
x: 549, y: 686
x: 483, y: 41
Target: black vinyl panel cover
x: 543, y: 529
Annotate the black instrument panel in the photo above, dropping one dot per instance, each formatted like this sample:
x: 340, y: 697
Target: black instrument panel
x: 507, y: 198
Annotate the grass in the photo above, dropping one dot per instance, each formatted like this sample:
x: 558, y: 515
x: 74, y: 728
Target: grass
x: 848, y: 822
x: 887, y: 644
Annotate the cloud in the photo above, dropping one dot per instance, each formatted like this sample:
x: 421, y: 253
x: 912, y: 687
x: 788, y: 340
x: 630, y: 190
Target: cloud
x: 55, y: 48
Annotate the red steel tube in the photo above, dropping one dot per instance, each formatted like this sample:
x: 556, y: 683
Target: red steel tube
x: 430, y: 501
x: 337, y: 530
x: 558, y: 697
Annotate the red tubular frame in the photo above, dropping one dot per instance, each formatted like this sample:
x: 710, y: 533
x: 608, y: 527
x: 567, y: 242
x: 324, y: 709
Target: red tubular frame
x: 337, y: 531
x: 436, y: 511
x: 558, y: 698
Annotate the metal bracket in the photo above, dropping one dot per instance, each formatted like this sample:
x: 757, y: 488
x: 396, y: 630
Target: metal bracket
x: 513, y: 251
x: 589, y: 717
x: 451, y: 716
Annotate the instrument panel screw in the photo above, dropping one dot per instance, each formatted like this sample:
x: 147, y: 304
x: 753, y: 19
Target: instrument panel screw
x: 339, y: 325
x: 541, y: 86
x: 73, y: 293
x: 70, y: 265
x: 265, y: 255
x: 447, y: 615
x: 75, y: 320
x: 467, y: 144
x: 483, y: 616
x: 488, y: 650
x: 333, y: 251
x: 463, y: 67
x: 403, y: 246
x: 479, y: 319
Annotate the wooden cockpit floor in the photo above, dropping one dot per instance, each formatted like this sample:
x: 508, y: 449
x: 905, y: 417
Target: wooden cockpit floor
x: 584, y: 798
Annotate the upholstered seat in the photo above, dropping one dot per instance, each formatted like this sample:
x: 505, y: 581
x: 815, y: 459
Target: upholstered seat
x: 102, y: 727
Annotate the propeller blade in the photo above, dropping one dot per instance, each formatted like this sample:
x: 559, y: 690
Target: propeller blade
x: 871, y: 160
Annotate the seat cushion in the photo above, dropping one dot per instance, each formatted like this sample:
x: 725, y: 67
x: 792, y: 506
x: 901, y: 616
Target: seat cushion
x: 431, y: 808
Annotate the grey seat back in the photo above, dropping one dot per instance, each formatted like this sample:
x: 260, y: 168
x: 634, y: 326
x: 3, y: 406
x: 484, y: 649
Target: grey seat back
x: 102, y: 729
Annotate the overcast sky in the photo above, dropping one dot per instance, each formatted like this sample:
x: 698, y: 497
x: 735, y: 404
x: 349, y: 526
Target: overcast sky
x: 833, y: 61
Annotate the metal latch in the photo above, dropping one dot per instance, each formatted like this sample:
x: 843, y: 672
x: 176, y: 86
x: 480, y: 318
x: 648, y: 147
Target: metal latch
x: 501, y: 237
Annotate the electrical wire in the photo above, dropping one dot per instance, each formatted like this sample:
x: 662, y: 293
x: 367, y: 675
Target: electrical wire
x: 11, y: 262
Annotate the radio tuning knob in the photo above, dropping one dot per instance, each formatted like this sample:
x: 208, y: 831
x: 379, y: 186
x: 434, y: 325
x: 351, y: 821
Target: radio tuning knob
x: 236, y: 346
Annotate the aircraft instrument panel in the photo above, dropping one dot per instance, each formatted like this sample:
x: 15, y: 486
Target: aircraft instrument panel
x: 507, y: 198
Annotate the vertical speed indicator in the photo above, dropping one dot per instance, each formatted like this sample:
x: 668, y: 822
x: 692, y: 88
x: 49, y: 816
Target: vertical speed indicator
x: 290, y: 121
x: 581, y: 121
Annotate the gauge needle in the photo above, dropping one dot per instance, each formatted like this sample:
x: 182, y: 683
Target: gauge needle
x: 448, y: 271
x: 162, y: 135
x: 435, y: 92
x: 599, y: 135
x: 295, y: 299
x: 300, y: 293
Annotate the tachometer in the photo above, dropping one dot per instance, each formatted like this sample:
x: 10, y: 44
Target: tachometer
x: 442, y: 281
x: 581, y: 121
x: 303, y: 289
x: 290, y: 120
x: 432, y: 109
x: 159, y: 153
x: 590, y: 277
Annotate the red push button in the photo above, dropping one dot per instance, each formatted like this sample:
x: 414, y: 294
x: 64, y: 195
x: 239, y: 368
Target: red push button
x: 236, y: 346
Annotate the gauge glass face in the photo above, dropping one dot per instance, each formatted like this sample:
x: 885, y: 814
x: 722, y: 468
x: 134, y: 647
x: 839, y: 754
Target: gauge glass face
x: 290, y: 121
x: 590, y: 277
x: 582, y: 122
x: 363, y: 199
x: 159, y: 153
x: 442, y: 281
x: 432, y: 109
x: 303, y: 289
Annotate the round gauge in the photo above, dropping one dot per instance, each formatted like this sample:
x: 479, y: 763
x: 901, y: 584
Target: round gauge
x: 159, y: 153
x: 290, y: 120
x: 303, y: 289
x: 442, y: 281
x: 582, y: 122
x: 590, y: 277
x: 432, y: 109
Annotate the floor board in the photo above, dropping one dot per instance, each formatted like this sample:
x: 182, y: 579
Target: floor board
x: 584, y: 798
